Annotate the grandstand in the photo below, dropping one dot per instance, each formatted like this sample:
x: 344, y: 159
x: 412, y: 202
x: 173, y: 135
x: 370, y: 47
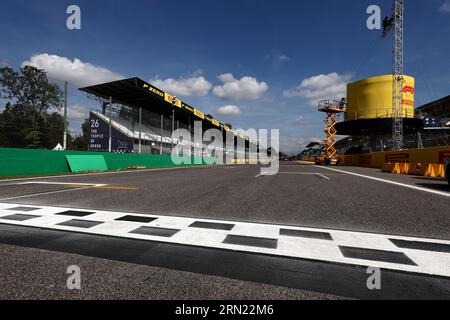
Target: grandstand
x: 137, y: 117
x: 312, y: 151
x: 438, y: 110
x: 151, y: 139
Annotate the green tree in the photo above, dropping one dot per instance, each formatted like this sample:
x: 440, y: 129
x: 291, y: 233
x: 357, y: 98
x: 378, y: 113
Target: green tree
x: 26, y: 121
x: 81, y: 142
x: 29, y: 89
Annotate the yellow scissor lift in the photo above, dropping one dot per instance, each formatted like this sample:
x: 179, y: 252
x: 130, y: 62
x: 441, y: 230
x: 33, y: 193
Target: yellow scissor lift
x: 332, y: 108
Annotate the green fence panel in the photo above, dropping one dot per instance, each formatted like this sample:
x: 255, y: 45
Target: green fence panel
x: 86, y: 163
x: 19, y: 162
x: 25, y: 162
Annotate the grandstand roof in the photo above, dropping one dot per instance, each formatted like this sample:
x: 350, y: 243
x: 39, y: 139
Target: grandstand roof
x: 439, y: 107
x: 135, y: 92
x: 313, y: 144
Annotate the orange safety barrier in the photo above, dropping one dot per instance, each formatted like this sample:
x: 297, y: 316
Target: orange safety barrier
x: 426, y: 170
x: 405, y: 168
x: 397, y: 168
x: 434, y: 170
x: 436, y: 155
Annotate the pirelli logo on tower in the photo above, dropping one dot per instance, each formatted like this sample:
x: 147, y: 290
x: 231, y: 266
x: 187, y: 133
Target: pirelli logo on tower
x: 180, y: 104
x: 172, y: 100
x: 199, y: 114
x: 153, y: 90
x: 187, y: 107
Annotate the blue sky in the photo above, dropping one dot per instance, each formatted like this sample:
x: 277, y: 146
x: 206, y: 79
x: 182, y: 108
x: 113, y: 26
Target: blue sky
x: 242, y: 60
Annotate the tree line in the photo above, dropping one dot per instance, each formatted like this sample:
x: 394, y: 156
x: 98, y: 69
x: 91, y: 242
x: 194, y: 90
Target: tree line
x: 31, y: 116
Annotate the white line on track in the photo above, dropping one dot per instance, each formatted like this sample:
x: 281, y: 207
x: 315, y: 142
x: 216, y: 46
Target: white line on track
x: 296, y: 173
x: 265, y: 175
x: 441, y: 193
x: 63, y: 183
x: 43, y: 193
x: 100, y: 173
x: 323, y: 176
x: 307, y: 174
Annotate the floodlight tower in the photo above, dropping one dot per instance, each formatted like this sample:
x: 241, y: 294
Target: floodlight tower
x: 396, y: 23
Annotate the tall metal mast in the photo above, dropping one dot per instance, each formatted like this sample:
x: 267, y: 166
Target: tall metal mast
x: 398, y: 80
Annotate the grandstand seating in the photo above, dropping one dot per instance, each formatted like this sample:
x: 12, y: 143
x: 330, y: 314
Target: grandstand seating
x: 150, y: 135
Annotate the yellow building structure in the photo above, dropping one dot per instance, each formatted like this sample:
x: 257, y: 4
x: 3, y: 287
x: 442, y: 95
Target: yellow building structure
x: 371, y: 98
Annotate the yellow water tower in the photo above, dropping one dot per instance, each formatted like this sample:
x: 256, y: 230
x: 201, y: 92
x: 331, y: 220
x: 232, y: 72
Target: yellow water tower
x: 369, y: 107
x: 371, y: 98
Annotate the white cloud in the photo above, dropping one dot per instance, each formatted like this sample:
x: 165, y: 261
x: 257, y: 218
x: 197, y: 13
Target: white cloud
x: 445, y: 7
x: 76, y: 72
x: 323, y: 86
x: 247, y: 88
x: 229, y: 110
x: 77, y: 112
x: 185, y: 87
x: 300, y: 120
x: 284, y: 57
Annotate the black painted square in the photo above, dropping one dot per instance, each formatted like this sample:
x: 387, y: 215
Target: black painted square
x: 376, y: 255
x: 212, y: 225
x: 20, y: 217
x: 23, y: 209
x: 154, y: 231
x: 85, y: 224
x: 306, y: 234
x: 252, y: 241
x: 136, y: 219
x: 73, y: 213
x: 419, y: 245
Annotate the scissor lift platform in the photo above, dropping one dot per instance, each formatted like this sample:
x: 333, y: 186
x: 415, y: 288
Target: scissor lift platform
x: 331, y: 108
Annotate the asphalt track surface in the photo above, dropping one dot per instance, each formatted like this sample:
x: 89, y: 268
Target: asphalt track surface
x: 301, y: 195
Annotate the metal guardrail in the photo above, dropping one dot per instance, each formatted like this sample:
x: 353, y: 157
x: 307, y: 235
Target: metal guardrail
x: 382, y: 113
